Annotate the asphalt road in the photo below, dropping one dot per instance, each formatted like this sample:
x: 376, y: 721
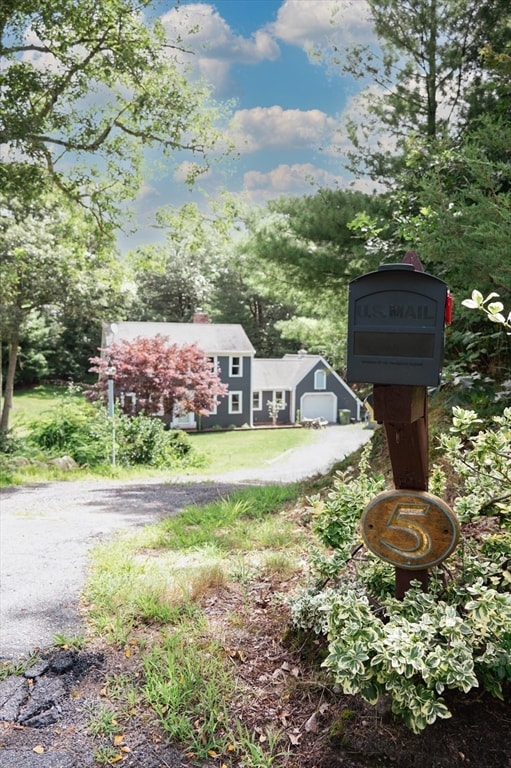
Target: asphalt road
x: 48, y: 530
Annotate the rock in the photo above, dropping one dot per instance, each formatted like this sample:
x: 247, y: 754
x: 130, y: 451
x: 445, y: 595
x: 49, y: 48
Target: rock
x: 13, y: 692
x: 64, y: 462
x: 36, y: 670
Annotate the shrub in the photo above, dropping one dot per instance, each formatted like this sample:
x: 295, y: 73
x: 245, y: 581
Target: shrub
x: 85, y: 432
x: 458, y: 635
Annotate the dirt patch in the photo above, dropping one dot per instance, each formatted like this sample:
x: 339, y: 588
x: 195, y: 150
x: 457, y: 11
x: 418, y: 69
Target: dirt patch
x: 47, y: 712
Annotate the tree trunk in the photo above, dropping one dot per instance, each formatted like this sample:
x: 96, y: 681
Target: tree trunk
x: 9, y: 382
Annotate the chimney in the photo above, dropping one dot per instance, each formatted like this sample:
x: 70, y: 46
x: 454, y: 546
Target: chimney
x: 200, y: 316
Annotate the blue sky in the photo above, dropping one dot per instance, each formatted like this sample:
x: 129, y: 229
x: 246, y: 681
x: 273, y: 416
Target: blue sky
x: 287, y: 112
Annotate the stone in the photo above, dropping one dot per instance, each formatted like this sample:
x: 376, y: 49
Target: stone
x: 13, y: 692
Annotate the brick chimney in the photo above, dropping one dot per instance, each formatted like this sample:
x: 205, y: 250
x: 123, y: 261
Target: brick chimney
x: 200, y: 316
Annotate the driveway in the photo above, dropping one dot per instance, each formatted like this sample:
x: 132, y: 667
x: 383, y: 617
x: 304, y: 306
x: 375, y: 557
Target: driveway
x: 47, y: 531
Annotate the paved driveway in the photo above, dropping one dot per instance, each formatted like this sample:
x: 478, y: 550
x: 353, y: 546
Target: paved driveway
x: 46, y: 532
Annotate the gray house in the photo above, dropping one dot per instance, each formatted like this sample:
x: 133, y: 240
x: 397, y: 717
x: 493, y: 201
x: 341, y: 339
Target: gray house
x: 305, y: 385
x: 227, y: 345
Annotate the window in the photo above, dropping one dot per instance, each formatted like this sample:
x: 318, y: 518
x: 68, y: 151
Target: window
x: 279, y: 396
x: 320, y: 380
x: 256, y: 401
x: 214, y: 408
x: 235, y: 402
x: 236, y: 366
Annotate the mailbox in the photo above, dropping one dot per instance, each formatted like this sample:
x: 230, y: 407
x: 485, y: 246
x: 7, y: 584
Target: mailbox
x: 396, y: 327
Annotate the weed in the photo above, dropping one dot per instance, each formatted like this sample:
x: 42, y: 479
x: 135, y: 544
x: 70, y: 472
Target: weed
x: 102, y: 721
x: 188, y: 685
x: 69, y: 642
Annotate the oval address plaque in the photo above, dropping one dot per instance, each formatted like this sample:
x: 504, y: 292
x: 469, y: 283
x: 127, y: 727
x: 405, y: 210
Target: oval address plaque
x: 410, y: 529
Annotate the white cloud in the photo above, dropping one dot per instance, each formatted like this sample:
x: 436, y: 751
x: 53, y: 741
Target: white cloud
x: 216, y: 47
x: 285, y: 179
x: 267, y: 128
x: 307, y: 23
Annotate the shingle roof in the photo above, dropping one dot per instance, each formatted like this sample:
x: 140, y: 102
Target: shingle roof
x: 286, y: 373
x: 211, y: 338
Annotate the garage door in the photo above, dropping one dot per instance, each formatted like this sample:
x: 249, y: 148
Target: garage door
x: 314, y: 406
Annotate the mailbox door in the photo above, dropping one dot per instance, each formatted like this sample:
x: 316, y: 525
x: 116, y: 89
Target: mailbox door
x: 396, y: 327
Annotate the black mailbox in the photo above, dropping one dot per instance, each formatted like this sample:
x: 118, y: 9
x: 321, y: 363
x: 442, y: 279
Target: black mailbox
x: 396, y: 327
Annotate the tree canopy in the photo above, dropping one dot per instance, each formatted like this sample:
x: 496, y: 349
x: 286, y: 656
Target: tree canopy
x: 154, y: 376
x: 85, y: 88
x: 53, y: 258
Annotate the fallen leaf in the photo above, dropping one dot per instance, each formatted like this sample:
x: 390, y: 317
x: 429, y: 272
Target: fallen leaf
x: 294, y: 738
x: 39, y: 750
x: 127, y: 652
x: 118, y: 740
x: 311, y: 726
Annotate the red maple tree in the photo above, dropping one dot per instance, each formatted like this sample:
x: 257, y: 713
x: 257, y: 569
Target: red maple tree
x: 155, y: 377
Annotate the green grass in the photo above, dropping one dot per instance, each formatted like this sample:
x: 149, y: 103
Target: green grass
x: 248, y: 448
x: 29, y: 404
x: 146, y: 589
x: 224, y: 451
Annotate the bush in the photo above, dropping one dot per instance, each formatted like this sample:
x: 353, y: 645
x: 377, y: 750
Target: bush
x: 76, y: 429
x: 145, y: 440
x: 458, y: 635
x: 85, y: 432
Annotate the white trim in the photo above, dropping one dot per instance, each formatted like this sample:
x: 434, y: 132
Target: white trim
x: 240, y: 397
x: 232, y: 366
x: 320, y: 379
x: 315, y: 395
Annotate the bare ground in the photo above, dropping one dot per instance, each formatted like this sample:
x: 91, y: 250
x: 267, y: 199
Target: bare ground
x: 280, y: 689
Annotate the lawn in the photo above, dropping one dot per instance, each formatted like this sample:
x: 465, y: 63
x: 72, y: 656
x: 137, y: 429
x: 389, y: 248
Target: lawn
x: 225, y: 451
x: 248, y: 448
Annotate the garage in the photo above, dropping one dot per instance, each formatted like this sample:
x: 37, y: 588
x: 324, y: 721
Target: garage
x: 319, y: 406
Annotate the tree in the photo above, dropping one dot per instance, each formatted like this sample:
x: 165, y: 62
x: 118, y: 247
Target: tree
x: 85, y: 89
x: 173, y: 279
x: 159, y: 377
x: 430, y: 50
x: 52, y: 256
x: 302, y: 253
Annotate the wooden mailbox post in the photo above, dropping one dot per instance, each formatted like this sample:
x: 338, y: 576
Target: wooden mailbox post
x: 395, y: 342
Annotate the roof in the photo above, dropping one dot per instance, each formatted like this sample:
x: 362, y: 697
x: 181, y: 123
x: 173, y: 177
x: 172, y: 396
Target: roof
x: 285, y: 373
x: 211, y: 338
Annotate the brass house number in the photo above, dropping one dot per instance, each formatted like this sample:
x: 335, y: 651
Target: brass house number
x: 410, y: 529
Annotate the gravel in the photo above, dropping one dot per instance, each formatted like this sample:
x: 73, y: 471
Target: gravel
x: 47, y: 531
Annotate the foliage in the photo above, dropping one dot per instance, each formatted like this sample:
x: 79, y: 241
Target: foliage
x: 85, y: 89
x: 416, y: 77
x: 481, y: 459
x: 143, y: 440
x: 84, y: 432
x: 492, y: 309
x: 301, y: 253
x: 53, y: 260
x: 153, y: 376
x: 458, y: 636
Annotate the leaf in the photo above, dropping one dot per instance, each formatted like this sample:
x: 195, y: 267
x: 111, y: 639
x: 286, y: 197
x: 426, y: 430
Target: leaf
x: 118, y: 740
x: 311, y: 726
x: 39, y: 750
x: 294, y: 738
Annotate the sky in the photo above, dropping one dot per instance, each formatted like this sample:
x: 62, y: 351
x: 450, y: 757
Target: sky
x: 287, y: 109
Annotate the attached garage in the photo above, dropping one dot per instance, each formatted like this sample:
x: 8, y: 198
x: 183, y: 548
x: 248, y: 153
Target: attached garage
x: 306, y: 386
x: 315, y: 405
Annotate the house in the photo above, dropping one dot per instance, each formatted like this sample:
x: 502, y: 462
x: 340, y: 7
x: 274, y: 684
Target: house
x: 305, y: 385
x: 227, y: 345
